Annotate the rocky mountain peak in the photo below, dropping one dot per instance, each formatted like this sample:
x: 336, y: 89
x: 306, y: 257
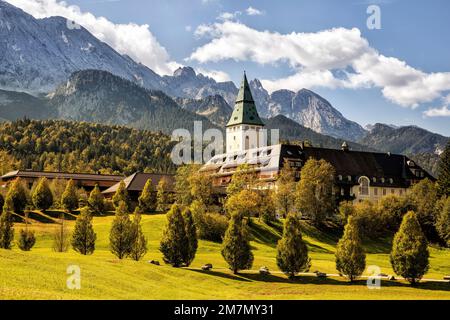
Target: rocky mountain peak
x: 185, y: 72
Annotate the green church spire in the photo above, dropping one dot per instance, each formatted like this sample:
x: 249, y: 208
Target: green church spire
x: 244, y: 108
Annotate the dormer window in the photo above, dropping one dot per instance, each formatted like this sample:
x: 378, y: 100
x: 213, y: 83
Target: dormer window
x: 382, y: 180
x: 349, y: 178
x: 340, y: 177
x: 374, y: 179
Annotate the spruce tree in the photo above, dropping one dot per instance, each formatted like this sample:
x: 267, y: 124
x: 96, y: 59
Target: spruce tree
x: 69, y: 198
x: 18, y: 196
x: 121, y: 195
x: 61, y: 236
x: 83, y: 236
x: 147, y: 199
x: 443, y: 181
x: 350, y: 256
x: 236, y: 248
x: 42, y: 196
x: 121, y: 234
x: 162, y: 195
x: 174, y: 243
x: 96, y: 200
x: 443, y: 222
x: 139, y: 244
x: 6, y: 225
x: 409, y: 255
x: 292, y: 252
x: 191, y: 233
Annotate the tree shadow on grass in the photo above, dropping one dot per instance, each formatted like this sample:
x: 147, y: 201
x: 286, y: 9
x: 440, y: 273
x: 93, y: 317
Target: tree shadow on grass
x: 278, y: 278
x: 37, y: 216
x: 56, y: 214
x: 238, y: 277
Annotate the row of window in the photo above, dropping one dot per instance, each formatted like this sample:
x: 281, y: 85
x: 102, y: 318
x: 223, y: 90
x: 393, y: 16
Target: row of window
x: 364, y: 191
x: 366, y: 180
x: 263, y: 153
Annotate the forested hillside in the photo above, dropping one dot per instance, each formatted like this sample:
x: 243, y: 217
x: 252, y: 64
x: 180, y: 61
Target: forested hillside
x: 59, y: 145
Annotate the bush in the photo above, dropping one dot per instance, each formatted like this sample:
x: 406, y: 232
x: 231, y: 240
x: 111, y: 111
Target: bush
x: 26, y: 240
x: 391, y: 209
x: 368, y: 219
x: 210, y: 226
x: 443, y: 222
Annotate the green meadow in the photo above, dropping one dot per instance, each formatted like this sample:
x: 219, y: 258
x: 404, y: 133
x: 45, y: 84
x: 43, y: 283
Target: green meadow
x: 42, y: 273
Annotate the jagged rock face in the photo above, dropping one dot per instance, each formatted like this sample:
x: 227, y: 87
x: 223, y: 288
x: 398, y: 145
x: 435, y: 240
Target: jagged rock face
x: 99, y: 96
x: 215, y: 108
x: 185, y: 83
x: 36, y: 55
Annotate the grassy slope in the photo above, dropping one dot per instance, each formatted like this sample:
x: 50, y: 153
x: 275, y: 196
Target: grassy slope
x: 41, y: 273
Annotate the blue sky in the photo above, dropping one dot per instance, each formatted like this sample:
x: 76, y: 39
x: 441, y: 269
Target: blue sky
x: 411, y: 48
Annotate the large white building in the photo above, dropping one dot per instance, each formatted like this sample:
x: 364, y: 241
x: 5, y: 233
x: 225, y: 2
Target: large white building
x: 359, y: 175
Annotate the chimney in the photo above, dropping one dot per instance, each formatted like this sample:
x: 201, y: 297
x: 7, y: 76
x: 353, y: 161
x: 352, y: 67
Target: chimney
x: 344, y: 146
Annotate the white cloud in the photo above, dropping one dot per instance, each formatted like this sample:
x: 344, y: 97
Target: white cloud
x: 443, y: 111
x: 316, y: 58
x: 135, y: 40
x: 219, y: 76
x: 225, y: 16
x: 253, y: 11
x: 438, y: 112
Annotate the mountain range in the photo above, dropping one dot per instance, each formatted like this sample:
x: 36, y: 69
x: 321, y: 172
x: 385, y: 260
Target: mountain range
x: 49, y: 70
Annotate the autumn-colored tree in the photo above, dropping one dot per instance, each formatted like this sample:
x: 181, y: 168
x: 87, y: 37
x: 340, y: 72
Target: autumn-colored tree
x: 409, y: 255
x: 424, y: 197
x: 292, y: 252
x: 285, y: 194
x: 314, y: 192
x: 18, y: 196
x: 69, y: 198
x: 243, y: 178
x: 350, y: 256
x: 42, y: 196
x: 246, y: 202
x: 443, y: 222
x: 96, y: 200
x: 147, y: 199
x: 121, y: 195
x: 162, y: 195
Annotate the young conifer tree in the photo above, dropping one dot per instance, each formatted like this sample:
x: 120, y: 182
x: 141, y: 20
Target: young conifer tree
x: 42, y: 196
x: 96, y: 200
x: 18, y: 196
x: 409, y: 255
x: 83, y: 236
x: 69, y: 198
x: 139, y: 243
x: 174, y: 243
x: 6, y: 225
x: 191, y: 233
x: 147, y: 199
x: 292, y: 252
x: 236, y: 248
x: 350, y: 256
x: 121, y: 195
x: 162, y: 195
x: 121, y: 234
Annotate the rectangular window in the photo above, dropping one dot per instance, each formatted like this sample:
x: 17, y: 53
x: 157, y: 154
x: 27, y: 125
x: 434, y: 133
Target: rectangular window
x: 384, y: 191
x: 375, y: 191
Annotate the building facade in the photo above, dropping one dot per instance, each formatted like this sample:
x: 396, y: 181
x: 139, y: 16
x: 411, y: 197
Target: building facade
x: 359, y: 175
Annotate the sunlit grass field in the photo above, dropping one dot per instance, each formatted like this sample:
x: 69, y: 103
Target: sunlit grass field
x: 41, y: 273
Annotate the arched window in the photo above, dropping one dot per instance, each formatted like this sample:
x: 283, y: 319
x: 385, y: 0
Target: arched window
x: 364, y: 186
